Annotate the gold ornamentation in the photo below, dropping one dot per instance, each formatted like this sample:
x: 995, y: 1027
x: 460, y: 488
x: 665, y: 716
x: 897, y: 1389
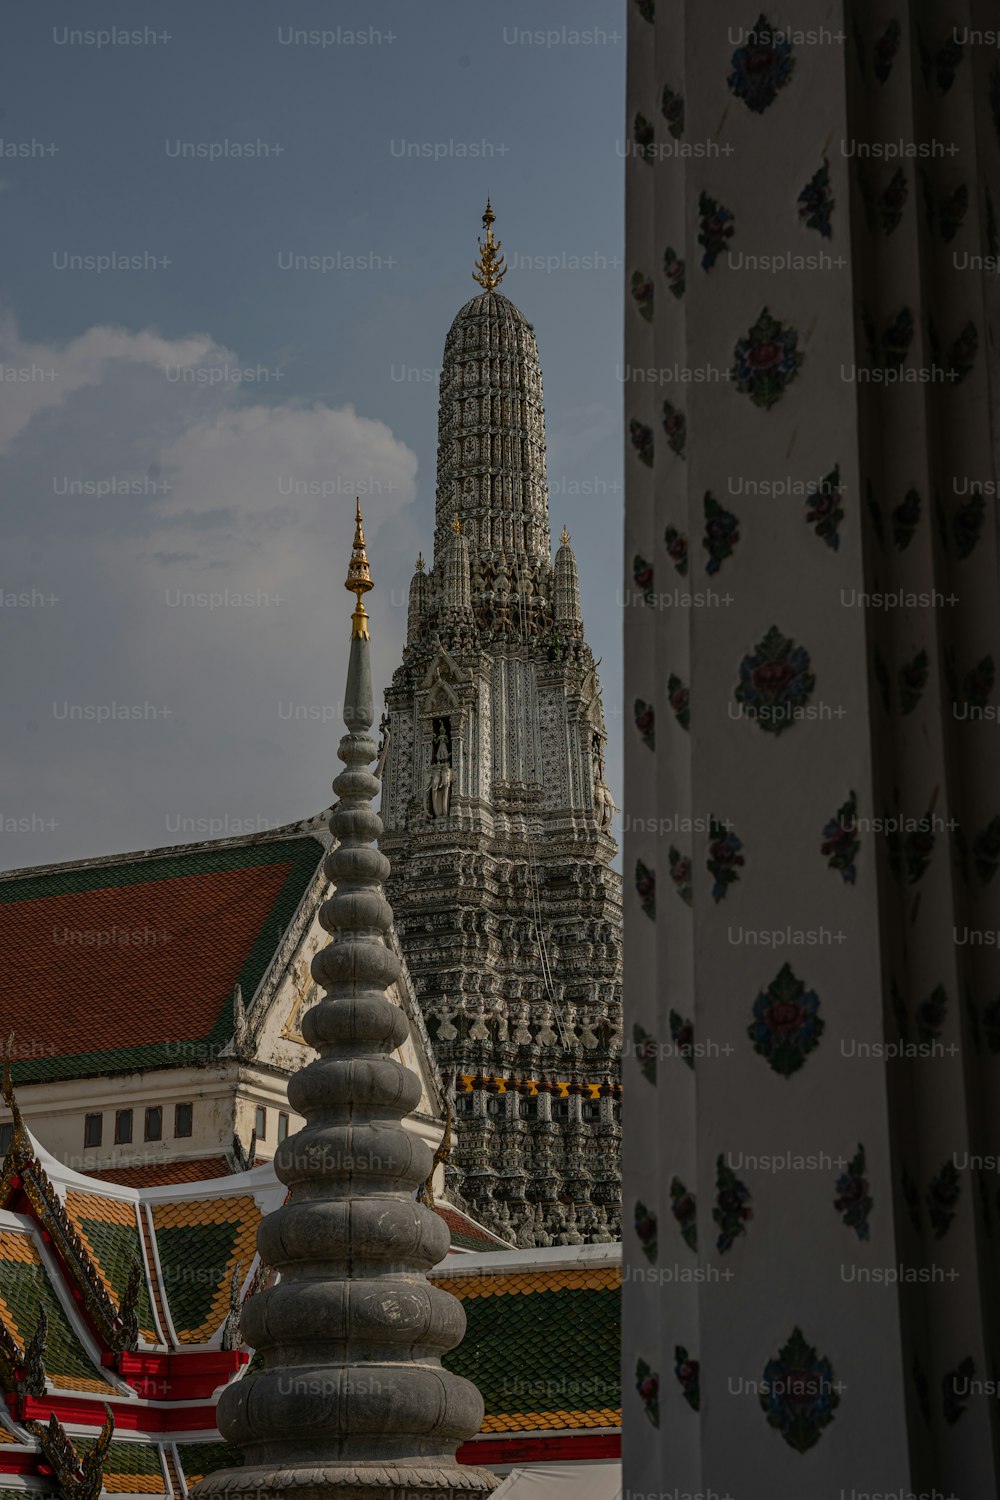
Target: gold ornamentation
x: 359, y: 579
x: 565, y: 537
x: 490, y: 268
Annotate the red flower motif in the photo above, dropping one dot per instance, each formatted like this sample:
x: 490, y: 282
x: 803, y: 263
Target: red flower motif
x: 765, y: 356
x: 783, y: 1015
x: 773, y: 676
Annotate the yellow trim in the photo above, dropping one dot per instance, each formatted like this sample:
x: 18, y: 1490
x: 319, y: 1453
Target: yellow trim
x: 512, y: 1284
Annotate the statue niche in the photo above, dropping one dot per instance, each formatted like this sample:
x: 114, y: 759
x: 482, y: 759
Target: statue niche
x: 439, y: 778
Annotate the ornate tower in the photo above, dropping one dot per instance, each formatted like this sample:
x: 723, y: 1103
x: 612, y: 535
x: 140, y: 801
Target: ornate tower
x: 497, y: 817
x: 351, y: 1402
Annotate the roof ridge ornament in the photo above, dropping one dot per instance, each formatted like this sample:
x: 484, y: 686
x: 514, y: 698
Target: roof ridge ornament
x: 490, y: 267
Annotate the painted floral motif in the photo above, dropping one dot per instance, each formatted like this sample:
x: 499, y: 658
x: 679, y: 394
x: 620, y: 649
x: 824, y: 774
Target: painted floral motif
x: 954, y: 1382
x: 644, y: 137
x: 641, y: 438
x: 722, y: 532
x: 786, y: 1025
x: 799, y: 1395
x: 905, y: 518
x: 766, y: 361
x: 645, y: 722
x: 854, y: 1202
x: 912, y: 1200
x: 646, y: 9
x: 673, y: 270
x: 912, y: 681
x: 816, y: 201
x: 942, y: 1199
x: 930, y: 1015
x: 840, y: 840
x: 761, y: 66
x: 775, y: 681
x: 685, y: 1211
x: 672, y: 106
x: 679, y: 699
x: 881, y: 677
x: 892, y: 201
x: 897, y: 338
x: 824, y: 511
x: 978, y: 684
x: 923, y: 1391
x: 910, y: 854
x: 875, y: 513
x: 946, y: 64
x: 724, y: 858
x: 643, y: 292
x: 677, y: 549
x: 675, y: 426
x: 716, y: 228
x: 682, y: 1037
x: 645, y: 1046
x: 885, y: 50
x: 645, y: 885
x: 953, y: 211
x: 687, y: 1371
x: 991, y: 1025
x: 647, y: 1383
x: 642, y: 577
x: 967, y: 523
x: 986, y: 850
x: 899, y: 1011
x: 732, y: 1206
x: 645, y: 1229
x: 680, y: 874
x: 962, y: 355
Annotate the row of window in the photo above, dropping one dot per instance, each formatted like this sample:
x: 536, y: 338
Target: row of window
x: 152, y: 1129
x: 527, y: 1109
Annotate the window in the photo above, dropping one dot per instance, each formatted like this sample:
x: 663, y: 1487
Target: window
x: 492, y: 1104
x: 282, y: 1127
x: 260, y: 1123
x: 123, y: 1127
x: 154, y: 1123
x: 528, y: 1109
x: 6, y: 1136
x: 591, y: 1109
x: 560, y: 1109
x: 182, y: 1119
x: 93, y: 1130
x: 465, y: 1104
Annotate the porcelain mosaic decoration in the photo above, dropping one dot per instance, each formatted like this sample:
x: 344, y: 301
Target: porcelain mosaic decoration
x: 766, y: 361
x: 786, y: 1024
x: 800, y: 1395
x: 775, y: 683
x: 761, y: 67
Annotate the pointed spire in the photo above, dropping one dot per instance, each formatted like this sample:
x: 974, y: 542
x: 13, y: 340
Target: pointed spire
x: 350, y: 1397
x: 566, y: 600
x: 490, y: 269
x: 359, y: 578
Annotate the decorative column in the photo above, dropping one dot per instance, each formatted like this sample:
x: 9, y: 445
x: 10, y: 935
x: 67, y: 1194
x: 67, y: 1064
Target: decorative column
x: 351, y: 1401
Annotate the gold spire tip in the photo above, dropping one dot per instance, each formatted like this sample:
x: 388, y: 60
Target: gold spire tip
x: 456, y: 525
x: 490, y: 268
x: 565, y: 537
x: 359, y: 578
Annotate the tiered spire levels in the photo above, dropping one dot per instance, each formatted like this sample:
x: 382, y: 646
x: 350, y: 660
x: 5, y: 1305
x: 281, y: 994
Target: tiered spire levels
x: 351, y: 1402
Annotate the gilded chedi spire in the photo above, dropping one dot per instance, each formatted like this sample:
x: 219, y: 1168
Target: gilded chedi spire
x: 490, y: 268
x: 351, y: 1402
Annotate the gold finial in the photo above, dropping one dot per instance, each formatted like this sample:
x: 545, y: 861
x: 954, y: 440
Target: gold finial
x: 456, y: 525
x: 420, y: 562
x: 565, y: 537
x: 490, y: 269
x: 359, y: 579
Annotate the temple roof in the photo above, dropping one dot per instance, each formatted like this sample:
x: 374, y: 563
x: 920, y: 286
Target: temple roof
x: 146, y: 946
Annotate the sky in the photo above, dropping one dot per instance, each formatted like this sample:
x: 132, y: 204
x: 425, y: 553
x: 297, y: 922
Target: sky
x: 236, y: 233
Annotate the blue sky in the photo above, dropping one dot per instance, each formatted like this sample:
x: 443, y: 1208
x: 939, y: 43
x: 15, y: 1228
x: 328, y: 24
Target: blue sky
x: 194, y: 421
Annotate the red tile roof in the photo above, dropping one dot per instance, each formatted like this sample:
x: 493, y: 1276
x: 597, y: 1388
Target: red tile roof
x: 121, y: 966
x: 201, y: 1169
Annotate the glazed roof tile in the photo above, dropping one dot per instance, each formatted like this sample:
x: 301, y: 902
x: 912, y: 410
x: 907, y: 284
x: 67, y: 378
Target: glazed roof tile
x: 110, y: 1234
x: 24, y: 1285
x: 157, y: 945
x: 200, y: 1242
x: 161, y: 1174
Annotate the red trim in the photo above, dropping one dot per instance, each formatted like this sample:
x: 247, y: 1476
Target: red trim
x: 177, y: 1377
x: 538, y: 1450
x: 17, y: 1463
x: 88, y: 1411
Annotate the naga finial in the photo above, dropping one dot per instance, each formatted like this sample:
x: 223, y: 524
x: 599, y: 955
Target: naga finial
x: 359, y: 579
x: 490, y: 268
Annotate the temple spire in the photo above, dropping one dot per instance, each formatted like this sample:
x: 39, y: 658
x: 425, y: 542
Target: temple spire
x: 490, y: 268
x: 350, y: 1401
